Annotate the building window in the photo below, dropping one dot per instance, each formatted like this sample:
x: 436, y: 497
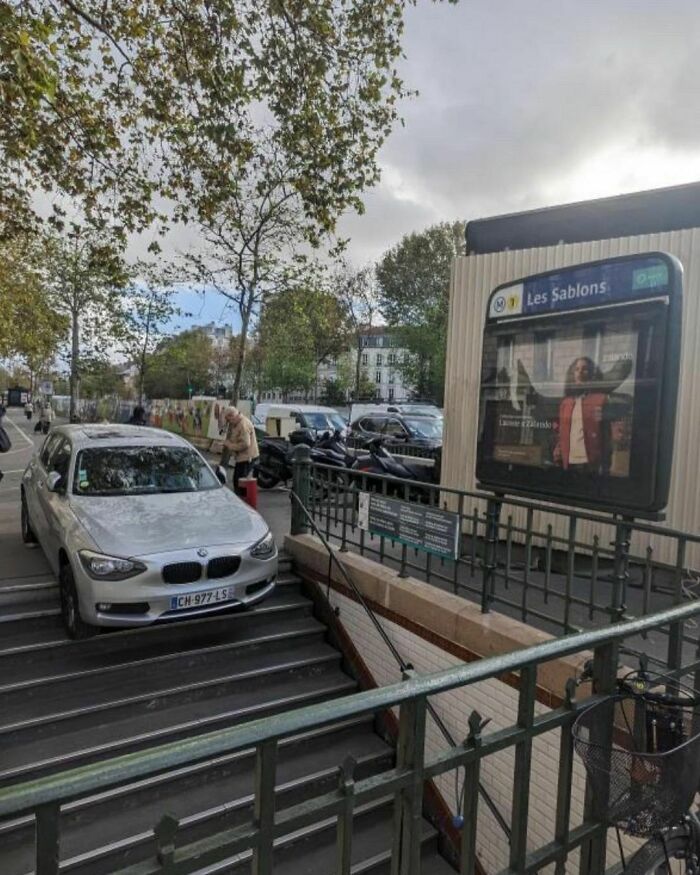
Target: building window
x: 378, y: 377
x: 391, y: 379
x: 365, y: 358
x: 391, y: 358
x: 379, y: 359
x: 391, y: 395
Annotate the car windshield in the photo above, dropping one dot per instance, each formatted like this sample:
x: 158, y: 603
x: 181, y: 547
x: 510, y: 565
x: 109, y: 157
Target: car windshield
x: 140, y: 471
x: 425, y: 426
x: 322, y: 421
x: 422, y: 410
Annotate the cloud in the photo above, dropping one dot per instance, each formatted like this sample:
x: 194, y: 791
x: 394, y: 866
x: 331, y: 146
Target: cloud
x: 526, y: 105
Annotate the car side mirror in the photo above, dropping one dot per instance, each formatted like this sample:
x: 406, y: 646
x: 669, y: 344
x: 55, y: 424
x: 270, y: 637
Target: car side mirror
x: 221, y: 474
x: 54, y: 481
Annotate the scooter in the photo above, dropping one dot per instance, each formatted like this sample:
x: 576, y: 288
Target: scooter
x: 379, y: 461
x: 275, y: 464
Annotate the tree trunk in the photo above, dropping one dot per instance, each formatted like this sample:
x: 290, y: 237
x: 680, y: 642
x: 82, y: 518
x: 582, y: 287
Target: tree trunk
x: 74, y: 365
x: 358, y: 367
x: 240, y: 353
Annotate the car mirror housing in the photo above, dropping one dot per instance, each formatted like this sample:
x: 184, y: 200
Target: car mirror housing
x: 54, y: 481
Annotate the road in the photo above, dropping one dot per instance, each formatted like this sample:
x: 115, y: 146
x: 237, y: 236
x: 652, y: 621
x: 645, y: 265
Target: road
x: 19, y: 565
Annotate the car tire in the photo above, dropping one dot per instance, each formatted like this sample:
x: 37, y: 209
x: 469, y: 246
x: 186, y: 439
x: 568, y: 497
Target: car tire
x: 75, y: 626
x: 28, y: 536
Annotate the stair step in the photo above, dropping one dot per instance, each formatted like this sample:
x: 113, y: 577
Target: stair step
x: 35, y: 665
x: 108, y: 833
x: 29, y: 753
x: 31, y: 635
x: 313, y: 850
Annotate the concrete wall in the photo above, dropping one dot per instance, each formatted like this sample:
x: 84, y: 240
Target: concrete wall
x: 475, y: 277
x: 425, y: 626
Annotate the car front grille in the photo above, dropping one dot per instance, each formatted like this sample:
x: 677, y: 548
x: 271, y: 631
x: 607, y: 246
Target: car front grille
x: 223, y: 566
x: 182, y: 572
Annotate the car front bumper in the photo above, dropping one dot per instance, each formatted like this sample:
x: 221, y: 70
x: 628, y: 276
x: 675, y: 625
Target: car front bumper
x: 146, y: 598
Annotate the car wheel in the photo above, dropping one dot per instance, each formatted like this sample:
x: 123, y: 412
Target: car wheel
x: 76, y: 627
x: 28, y: 535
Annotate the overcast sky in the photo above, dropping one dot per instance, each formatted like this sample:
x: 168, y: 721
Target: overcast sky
x: 529, y: 104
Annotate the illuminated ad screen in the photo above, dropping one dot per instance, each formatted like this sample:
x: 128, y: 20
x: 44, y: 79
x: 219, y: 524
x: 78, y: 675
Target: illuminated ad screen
x: 579, y: 381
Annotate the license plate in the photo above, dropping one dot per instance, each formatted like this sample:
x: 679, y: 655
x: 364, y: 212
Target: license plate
x: 201, y: 599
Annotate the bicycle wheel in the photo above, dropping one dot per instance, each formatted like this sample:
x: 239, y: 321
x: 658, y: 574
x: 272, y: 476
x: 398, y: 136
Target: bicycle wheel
x: 672, y: 857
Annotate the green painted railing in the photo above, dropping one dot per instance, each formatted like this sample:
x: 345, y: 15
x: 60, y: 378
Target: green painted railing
x: 561, y: 584
x: 255, y: 841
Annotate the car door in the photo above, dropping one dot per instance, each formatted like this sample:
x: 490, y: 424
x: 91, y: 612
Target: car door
x: 35, y: 484
x: 55, y: 504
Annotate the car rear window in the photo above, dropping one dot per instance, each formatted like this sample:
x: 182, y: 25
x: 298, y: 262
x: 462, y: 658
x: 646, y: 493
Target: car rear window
x: 141, y: 471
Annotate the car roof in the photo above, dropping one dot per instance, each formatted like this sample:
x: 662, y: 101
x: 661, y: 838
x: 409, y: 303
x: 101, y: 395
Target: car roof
x: 115, y: 434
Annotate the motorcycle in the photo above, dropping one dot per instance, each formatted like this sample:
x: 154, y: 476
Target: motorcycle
x: 379, y: 462
x: 275, y: 464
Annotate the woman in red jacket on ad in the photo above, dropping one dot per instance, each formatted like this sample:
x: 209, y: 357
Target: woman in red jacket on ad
x: 583, y: 442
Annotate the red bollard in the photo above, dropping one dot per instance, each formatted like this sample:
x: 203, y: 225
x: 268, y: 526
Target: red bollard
x: 249, y: 485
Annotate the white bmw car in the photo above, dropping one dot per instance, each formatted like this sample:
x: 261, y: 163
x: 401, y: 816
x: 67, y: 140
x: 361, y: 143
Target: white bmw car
x: 138, y: 528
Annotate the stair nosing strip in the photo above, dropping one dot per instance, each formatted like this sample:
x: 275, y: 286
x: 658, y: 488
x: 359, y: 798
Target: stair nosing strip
x: 120, y: 634
x: 163, y: 778
x: 338, y: 687
x: 153, y: 660
x: 171, y: 691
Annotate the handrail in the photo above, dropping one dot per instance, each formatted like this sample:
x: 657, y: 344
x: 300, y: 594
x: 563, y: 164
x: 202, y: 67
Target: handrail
x: 403, y: 665
x: 62, y: 786
x: 527, y: 504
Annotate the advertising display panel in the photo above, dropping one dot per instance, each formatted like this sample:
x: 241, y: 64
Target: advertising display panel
x: 579, y: 381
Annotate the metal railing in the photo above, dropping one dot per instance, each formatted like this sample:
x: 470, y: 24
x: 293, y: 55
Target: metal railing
x: 302, y: 518
x: 398, y: 449
x: 402, y: 783
x: 559, y: 583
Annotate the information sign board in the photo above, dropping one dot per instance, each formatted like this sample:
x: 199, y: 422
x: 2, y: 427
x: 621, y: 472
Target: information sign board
x: 425, y: 528
x: 579, y: 382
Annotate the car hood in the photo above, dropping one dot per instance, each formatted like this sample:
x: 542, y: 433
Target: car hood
x: 136, y: 525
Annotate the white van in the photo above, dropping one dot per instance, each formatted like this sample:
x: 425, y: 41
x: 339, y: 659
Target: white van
x: 312, y: 416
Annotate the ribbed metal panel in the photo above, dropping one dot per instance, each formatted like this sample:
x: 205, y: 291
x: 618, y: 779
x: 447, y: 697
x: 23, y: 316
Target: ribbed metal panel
x: 475, y: 277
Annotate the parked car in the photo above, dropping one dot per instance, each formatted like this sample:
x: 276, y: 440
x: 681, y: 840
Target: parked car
x: 396, y: 429
x: 313, y: 416
x: 414, y: 408
x: 138, y: 528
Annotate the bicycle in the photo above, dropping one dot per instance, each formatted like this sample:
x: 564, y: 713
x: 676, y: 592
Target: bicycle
x: 641, y: 751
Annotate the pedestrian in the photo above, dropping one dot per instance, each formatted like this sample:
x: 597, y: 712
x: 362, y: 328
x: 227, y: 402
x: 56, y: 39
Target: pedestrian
x: 241, y: 443
x: 138, y: 417
x: 28, y: 409
x: 46, y: 417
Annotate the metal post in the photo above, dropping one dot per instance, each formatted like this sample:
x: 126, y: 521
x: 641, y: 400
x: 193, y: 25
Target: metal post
x: 408, y: 803
x: 301, y: 483
x: 346, y: 785
x: 47, y: 839
x: 523, y: 765
x: 593, y: 851
x: 264, y: 811
x: 488, y: 577
x: 623, y: 534
x: 470, y: 793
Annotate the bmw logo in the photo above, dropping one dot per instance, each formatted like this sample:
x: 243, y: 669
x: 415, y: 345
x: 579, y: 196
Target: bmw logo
x: 499, y: 304
x: 202, y: 552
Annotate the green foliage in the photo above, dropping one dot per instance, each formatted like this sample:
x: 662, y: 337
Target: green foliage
x: 180, y: 366
x: 413, y: 278
x: 299, y: 329
x: 30, y: 326
x: 116, y: 102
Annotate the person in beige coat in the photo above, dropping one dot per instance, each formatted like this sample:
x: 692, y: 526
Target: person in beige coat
x: 241, y: 443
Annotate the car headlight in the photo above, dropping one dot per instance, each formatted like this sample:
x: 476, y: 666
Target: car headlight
x: 264, y: 548
x: 101, y: 567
